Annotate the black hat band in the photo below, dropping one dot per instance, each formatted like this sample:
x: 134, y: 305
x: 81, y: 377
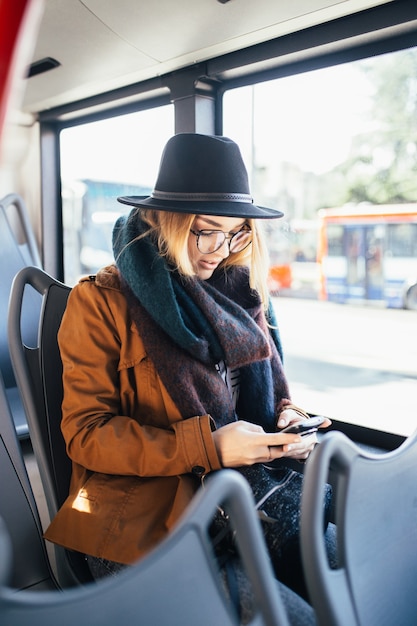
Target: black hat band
x: 202, y: 197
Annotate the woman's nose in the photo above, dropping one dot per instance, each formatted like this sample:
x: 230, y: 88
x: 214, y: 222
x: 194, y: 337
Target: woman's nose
x: 225, y: 248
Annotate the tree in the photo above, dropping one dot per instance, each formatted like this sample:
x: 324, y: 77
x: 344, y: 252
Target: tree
x: 382, y: 166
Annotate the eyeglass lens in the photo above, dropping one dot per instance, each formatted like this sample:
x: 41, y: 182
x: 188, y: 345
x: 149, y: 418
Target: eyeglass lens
x: 210, y: 241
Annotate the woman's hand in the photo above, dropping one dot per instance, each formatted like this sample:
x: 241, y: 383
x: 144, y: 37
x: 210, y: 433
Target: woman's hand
x: 298, y: 450
x: 242, y: 443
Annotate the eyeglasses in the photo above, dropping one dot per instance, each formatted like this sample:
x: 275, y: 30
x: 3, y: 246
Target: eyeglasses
x: 209, y: 241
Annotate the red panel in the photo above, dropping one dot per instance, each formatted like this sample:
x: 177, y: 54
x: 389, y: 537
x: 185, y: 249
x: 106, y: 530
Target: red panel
x: 19, y: 20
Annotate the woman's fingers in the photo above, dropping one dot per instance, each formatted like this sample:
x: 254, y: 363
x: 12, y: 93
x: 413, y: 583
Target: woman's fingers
x: 243, y: 443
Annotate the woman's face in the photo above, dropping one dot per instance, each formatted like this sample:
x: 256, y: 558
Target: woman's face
x: 205, y: 264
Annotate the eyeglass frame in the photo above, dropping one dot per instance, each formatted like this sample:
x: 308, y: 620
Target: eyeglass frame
x: 228, y: 236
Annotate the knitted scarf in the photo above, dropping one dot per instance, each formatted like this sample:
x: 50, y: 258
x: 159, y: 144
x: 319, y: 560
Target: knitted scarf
x: 188, y: 325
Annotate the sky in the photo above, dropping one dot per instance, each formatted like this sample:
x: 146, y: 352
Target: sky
x: 125, y: 149
x: 308, y: 119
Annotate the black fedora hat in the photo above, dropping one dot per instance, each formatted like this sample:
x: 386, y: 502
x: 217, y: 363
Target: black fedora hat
x: 202, y: 174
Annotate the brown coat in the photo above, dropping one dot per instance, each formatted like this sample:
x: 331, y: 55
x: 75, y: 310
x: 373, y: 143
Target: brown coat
x: 134, y: 457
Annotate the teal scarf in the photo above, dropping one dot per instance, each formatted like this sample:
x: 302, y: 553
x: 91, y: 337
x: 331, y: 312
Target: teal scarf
x: 188, y: 325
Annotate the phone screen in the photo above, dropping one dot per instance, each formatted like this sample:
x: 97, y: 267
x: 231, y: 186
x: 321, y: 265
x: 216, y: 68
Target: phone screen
x: 305, y: 427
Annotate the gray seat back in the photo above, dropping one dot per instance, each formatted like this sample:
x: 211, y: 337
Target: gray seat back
x: 176, y: 585
x: 38, y: 372
x: 376, y: 516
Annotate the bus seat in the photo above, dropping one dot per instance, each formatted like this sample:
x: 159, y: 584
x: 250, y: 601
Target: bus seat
x: 17, y: 249
x: 38, y: 372
x: 376, y: 516
x: 30, y: 568
x: 177, y: 584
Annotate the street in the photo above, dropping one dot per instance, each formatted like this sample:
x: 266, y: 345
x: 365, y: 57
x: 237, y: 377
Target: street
x: 353, y: 363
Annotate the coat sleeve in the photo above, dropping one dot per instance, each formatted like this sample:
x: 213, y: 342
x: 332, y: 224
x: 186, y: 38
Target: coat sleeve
x: 99, y: 434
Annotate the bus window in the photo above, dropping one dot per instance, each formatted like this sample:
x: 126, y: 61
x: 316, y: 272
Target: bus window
x: 100, y: 161
x: 341, y: 137
x: 335, y: 240
x: 402, y: 240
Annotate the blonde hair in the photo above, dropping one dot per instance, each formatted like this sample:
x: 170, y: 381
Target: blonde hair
x: 171, y: 231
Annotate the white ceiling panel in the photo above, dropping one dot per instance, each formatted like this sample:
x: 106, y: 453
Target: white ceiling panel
x: 106, y: 44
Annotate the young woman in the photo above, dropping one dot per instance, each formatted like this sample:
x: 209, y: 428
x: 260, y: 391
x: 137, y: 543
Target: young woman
x: 171, y: 359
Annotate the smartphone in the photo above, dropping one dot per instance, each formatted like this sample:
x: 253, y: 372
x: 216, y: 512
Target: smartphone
x: 307, y: 427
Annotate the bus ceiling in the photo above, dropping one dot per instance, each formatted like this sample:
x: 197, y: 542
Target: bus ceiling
x: 90, y: 48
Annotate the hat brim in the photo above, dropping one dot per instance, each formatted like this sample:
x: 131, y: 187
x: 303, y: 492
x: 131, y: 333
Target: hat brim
x: 226, y: 208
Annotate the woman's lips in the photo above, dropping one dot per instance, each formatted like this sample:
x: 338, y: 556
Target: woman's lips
x: 209, y: 265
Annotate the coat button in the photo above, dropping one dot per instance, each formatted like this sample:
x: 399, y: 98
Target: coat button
x: 199, y: 470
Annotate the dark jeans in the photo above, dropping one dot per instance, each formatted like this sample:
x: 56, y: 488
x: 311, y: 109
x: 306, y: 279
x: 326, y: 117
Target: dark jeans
x: 100, y: 568
x: 289, y: 569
